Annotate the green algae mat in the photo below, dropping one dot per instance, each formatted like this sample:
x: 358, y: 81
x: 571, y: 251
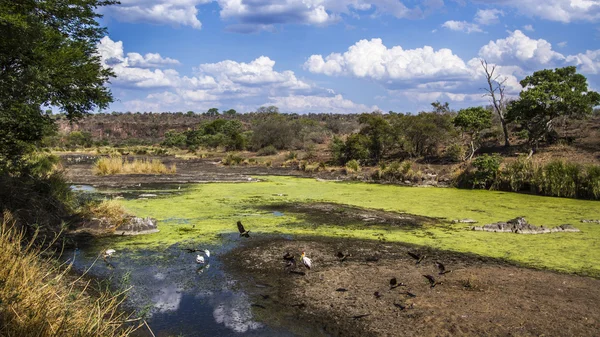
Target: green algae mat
x: 204, y: 212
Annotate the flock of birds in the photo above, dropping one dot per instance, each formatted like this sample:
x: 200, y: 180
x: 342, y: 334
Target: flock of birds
x: 290, y: 265
x: 200, y: 259
x: 433, y: 281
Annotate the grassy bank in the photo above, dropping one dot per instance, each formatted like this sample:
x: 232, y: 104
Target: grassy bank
x: 204, y: 211
x: 39, y: 298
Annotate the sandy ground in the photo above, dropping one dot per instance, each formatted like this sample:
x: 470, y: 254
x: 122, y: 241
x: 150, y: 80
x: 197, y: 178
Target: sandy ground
x: 480, y: 297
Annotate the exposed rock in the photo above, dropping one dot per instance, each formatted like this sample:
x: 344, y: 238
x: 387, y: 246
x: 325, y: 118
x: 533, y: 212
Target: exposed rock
x: 520, y: 226
x: 464, y: 221
x: 590, y: 221
x: 147, y: 195
x: 136, y: 226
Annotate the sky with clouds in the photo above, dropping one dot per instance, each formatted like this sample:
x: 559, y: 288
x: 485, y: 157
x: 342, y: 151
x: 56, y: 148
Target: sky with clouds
x: 339, y: 56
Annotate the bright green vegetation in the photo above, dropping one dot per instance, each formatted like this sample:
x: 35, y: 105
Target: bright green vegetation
x: 214, y: 208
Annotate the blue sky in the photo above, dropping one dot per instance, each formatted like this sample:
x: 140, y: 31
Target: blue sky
x: 337, y: 56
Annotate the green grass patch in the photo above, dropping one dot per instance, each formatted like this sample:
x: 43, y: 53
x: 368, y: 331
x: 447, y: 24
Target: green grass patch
x: 205, y: 211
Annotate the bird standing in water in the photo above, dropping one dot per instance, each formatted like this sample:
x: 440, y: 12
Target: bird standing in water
x: 306, y: 261
x: 242, y: 230
x: 108, y: 253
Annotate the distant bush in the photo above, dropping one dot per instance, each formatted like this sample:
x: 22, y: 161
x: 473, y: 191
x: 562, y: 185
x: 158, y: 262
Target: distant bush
x: 353, y: 166
x: 232, y: 159
x: 559, y: 179
x: 455, y: 153
x: 292, y: 155
x: 518, y: 175
x: 267, y: 151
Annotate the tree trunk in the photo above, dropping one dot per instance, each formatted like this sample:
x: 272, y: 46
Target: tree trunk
x: 505, y: 130
x: 472, y: 151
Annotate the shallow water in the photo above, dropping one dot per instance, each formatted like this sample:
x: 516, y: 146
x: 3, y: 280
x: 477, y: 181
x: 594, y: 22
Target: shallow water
x: 181, y: 297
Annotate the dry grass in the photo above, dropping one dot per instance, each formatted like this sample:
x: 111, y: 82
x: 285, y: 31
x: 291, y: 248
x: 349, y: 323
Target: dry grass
x: 117, y: 165
x: 38, y: 299
x: 109, y: 209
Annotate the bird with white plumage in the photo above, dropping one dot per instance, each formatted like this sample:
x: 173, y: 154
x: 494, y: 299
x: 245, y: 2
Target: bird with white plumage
x: 306, y: 261
x: 200, y: 259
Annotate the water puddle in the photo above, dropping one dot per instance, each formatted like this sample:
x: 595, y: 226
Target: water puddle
x: 178, y: 296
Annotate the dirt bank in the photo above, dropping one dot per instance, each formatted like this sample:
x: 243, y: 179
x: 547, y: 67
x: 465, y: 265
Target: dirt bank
x: 479, y: 297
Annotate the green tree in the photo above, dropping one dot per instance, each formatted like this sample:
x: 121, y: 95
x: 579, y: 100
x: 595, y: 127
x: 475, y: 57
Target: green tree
x: 212, y: 112
x: 547, y: 95
x: 47, y: 58
x: 472, y: 121
x: 377, y: 130
x: 230, y: 112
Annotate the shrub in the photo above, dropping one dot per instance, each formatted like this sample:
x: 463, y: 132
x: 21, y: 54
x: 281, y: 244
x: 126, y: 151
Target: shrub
x: 486, y: 170
x: 517, y: 175
x: 559, y: 179
x: 292, y: 155
x: 267, y: 151
x: 232, y: 159
x: 591, y: 182
x: 353, y: 166
x: 455, y: 153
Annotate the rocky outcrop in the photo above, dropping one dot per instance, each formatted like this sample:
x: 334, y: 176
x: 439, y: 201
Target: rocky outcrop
x: 136, y: 226
x: 464, y: 221
x: 590, y: 221
x: 130, y: 226
x: 520, y: 226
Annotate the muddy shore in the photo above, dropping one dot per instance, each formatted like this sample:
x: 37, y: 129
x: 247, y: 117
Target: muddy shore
x: 479, y: 297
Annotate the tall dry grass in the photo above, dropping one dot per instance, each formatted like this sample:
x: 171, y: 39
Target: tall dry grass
x: 118, y: 165
x: 37, y: 298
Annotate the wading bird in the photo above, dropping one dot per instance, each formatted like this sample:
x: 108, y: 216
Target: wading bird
x: 442, y: 268
x: 243, y: 232
x: 207, y: 252
x: 394, y: 283
x: 432, y: 281
x: 307, y: 262
x: 417, y: 257
x: 108, y: 253
x: 199, y: 259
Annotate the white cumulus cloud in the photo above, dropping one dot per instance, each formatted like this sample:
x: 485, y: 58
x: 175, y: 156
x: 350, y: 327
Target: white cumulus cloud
x: 462, y: 26
x: 488, y: 16
x: 169, y: 12
x: 554, y: 10
x: 518, y: 48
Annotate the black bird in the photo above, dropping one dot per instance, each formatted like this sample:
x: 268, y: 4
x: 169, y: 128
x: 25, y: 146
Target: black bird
x: 394, y: 283
x: 341, y: 256
x: 360, y: 316
x: 341, y: 289
x: 398, y: 305
x: 410, y: 294
x: 243, y: 232
x: 431, y: 280
x: 288, y: 256
x: 417, y: 257
x: 377, y: 294
x: 442, y: 268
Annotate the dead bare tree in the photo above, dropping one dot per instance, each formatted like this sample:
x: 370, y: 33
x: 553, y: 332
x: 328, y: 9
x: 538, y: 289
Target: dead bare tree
x: 495, y: 91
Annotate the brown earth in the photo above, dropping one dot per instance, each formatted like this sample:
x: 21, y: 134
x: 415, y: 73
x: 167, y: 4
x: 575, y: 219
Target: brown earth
x: 480, y: 297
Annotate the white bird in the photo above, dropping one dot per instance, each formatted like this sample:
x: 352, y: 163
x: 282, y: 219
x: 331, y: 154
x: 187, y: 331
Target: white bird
x: 199, y: 259
x: 108, y: 253
x: 207, y: 252
x: 307, y: 262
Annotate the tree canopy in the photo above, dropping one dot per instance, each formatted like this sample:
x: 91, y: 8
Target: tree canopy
x: 47, y: 58
x: 472, y: 121
x: 547, y: 95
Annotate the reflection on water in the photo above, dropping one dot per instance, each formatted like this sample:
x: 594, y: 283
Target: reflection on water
x: 181, y: 298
